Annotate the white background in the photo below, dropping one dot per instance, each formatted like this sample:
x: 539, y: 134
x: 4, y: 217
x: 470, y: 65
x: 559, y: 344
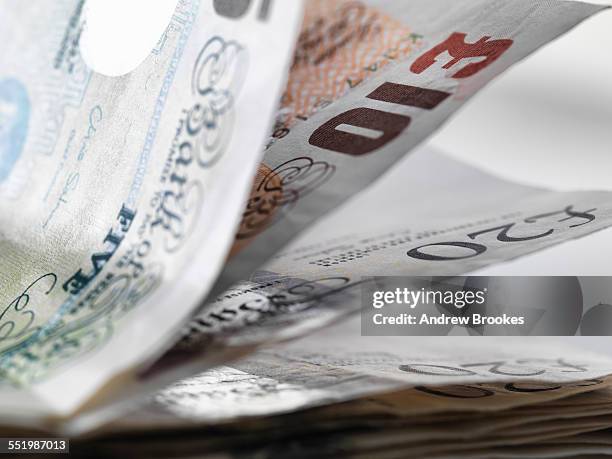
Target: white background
x: 548, y: 122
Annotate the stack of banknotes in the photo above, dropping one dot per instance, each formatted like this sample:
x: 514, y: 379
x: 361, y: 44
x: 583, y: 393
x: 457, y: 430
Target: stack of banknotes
x: 181, y: 257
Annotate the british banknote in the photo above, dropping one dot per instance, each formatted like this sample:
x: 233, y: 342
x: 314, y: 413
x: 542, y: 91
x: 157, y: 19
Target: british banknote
x: 285, y: 200
x: 296, y: 293
x: 120, y: 196
x: 369, y: 82
x: 460, y: 222
x: 424, y: 421
x: 266, y: 387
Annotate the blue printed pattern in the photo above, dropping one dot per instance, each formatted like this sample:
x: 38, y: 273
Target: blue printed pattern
x: 14, y: 118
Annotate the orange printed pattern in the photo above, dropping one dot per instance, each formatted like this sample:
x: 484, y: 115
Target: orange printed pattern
x: 343, y: 42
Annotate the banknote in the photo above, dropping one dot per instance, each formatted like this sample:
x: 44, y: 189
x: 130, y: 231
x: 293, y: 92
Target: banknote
x: 382, y: 425
x: 119, y: 196
x: 300, y: 290
x: 514, y: 446
x: 255, y: 392
x: 299, y: 181
x: 370, y: 81
x: 460, y: 222
x: 450, y: 374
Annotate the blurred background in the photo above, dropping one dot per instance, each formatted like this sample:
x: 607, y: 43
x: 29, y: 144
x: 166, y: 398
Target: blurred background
x: 548, y: 123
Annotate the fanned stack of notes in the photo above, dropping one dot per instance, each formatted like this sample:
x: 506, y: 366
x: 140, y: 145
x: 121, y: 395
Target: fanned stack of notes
x: 181, y: 257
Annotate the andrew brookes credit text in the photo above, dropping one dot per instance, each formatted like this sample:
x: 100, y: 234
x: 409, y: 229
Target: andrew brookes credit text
x: 455, y: 298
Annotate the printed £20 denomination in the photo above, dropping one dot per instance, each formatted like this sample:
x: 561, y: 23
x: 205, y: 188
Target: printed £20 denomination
x: 476, y: 221
x: 370, y: 81
x: 121, y: 196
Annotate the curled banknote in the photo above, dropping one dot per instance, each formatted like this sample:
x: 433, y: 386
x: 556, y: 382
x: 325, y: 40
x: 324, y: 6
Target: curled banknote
x: 296, y: 294
x: 374, y: 67
x: 121, y: 197
x: 370, y: 81
x: 249, y: 409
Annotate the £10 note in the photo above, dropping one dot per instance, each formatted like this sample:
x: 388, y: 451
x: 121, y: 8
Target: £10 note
x: 371, y: 80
